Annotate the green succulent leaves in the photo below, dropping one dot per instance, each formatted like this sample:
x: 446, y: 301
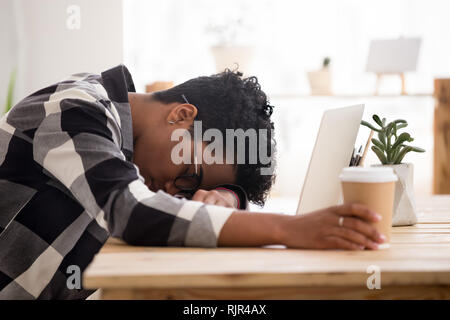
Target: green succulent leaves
x: 365, y: 123
x: 390, y: 146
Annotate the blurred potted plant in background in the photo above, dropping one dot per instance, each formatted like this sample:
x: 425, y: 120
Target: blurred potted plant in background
x: 391, y: 148
x: 320, y: 80
x: 10, y: 91
x: 227, y: 50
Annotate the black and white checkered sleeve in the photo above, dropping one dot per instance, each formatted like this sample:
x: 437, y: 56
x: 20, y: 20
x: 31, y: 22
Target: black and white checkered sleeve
x: 78, y: 143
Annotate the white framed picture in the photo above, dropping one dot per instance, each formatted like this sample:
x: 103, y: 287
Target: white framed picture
x: 393, y: 55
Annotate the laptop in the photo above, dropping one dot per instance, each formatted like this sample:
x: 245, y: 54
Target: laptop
x: 332, y: 152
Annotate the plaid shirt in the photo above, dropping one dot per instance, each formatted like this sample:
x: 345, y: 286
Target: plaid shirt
x: 67, y: 183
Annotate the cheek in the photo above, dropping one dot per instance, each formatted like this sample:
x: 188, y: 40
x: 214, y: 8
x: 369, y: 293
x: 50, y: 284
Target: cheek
x: 168, y: 169
x: 155, y: 161
x: 143, y: 160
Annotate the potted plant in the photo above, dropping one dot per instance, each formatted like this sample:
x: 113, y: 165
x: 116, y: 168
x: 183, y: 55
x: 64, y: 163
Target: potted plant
x: 227, y: 50
x: 320, y: 80
x: 391, y: 148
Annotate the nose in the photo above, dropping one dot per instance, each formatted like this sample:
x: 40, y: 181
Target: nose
x: 170, y: 188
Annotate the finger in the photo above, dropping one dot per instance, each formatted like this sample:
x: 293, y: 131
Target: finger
x: 335, y: 242
x: 223, y: 203
x: 216, y: 199
x: 364, y: 228
x: 210, y: 199
x: 229, y: 196
x: 354, y: 237
x: 199, y: 195
x: 358, y: 210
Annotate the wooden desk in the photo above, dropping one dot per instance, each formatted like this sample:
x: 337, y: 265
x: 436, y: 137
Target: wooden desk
x: 417, y: 266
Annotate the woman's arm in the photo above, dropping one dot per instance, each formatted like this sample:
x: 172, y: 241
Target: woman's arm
x: 316, y: 230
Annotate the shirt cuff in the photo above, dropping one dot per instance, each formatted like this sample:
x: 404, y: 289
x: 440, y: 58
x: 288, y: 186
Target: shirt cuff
x: 206, y: 225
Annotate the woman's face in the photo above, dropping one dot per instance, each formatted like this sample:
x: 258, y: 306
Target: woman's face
x: 152, y: 155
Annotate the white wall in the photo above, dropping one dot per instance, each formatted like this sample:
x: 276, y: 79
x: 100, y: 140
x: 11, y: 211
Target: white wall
x: 289, y: 37
x: 46, y: 50
x: 8, y: 48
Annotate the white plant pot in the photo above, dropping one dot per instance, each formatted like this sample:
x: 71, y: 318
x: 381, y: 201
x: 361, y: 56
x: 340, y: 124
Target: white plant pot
x: 232, y: 56
x: 404, y: 211
x: 320, y: 82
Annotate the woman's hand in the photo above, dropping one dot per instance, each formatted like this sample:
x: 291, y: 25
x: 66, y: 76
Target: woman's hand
x: 321, y: 229
x: 216, y: 197
x: 316, y: 230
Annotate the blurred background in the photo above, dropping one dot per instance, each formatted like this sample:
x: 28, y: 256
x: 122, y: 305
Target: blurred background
x: 308, y: 55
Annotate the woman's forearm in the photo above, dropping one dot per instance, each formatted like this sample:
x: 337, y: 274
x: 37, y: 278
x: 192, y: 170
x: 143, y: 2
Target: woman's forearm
x: 249, y: 229
x: 321, y: 229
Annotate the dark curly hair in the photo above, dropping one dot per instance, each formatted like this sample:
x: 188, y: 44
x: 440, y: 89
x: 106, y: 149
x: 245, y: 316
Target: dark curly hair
x: 227, y: 100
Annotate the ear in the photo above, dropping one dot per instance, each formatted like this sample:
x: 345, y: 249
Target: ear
x: 184, y: 113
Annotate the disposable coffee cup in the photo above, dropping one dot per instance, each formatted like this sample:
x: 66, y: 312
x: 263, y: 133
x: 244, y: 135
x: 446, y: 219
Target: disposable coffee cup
x: 375, y: 188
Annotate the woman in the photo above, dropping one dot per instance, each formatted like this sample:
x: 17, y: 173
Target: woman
x: 88, y: 158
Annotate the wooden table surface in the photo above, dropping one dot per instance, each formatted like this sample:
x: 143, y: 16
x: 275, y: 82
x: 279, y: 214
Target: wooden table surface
x: 416, y: 266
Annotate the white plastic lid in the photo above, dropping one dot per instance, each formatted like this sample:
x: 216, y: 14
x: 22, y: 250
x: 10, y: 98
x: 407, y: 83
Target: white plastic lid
x: 370, y: 174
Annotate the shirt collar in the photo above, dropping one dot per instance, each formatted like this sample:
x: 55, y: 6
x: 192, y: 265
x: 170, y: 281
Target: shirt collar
x: 118, y: 82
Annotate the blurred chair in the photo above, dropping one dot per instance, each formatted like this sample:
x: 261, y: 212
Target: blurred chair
x: 158, y: 86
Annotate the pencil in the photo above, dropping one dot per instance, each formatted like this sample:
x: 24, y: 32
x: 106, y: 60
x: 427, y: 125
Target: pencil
x: 366, y: 148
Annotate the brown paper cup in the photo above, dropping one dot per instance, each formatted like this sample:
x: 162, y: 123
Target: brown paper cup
x: 375, y: 188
